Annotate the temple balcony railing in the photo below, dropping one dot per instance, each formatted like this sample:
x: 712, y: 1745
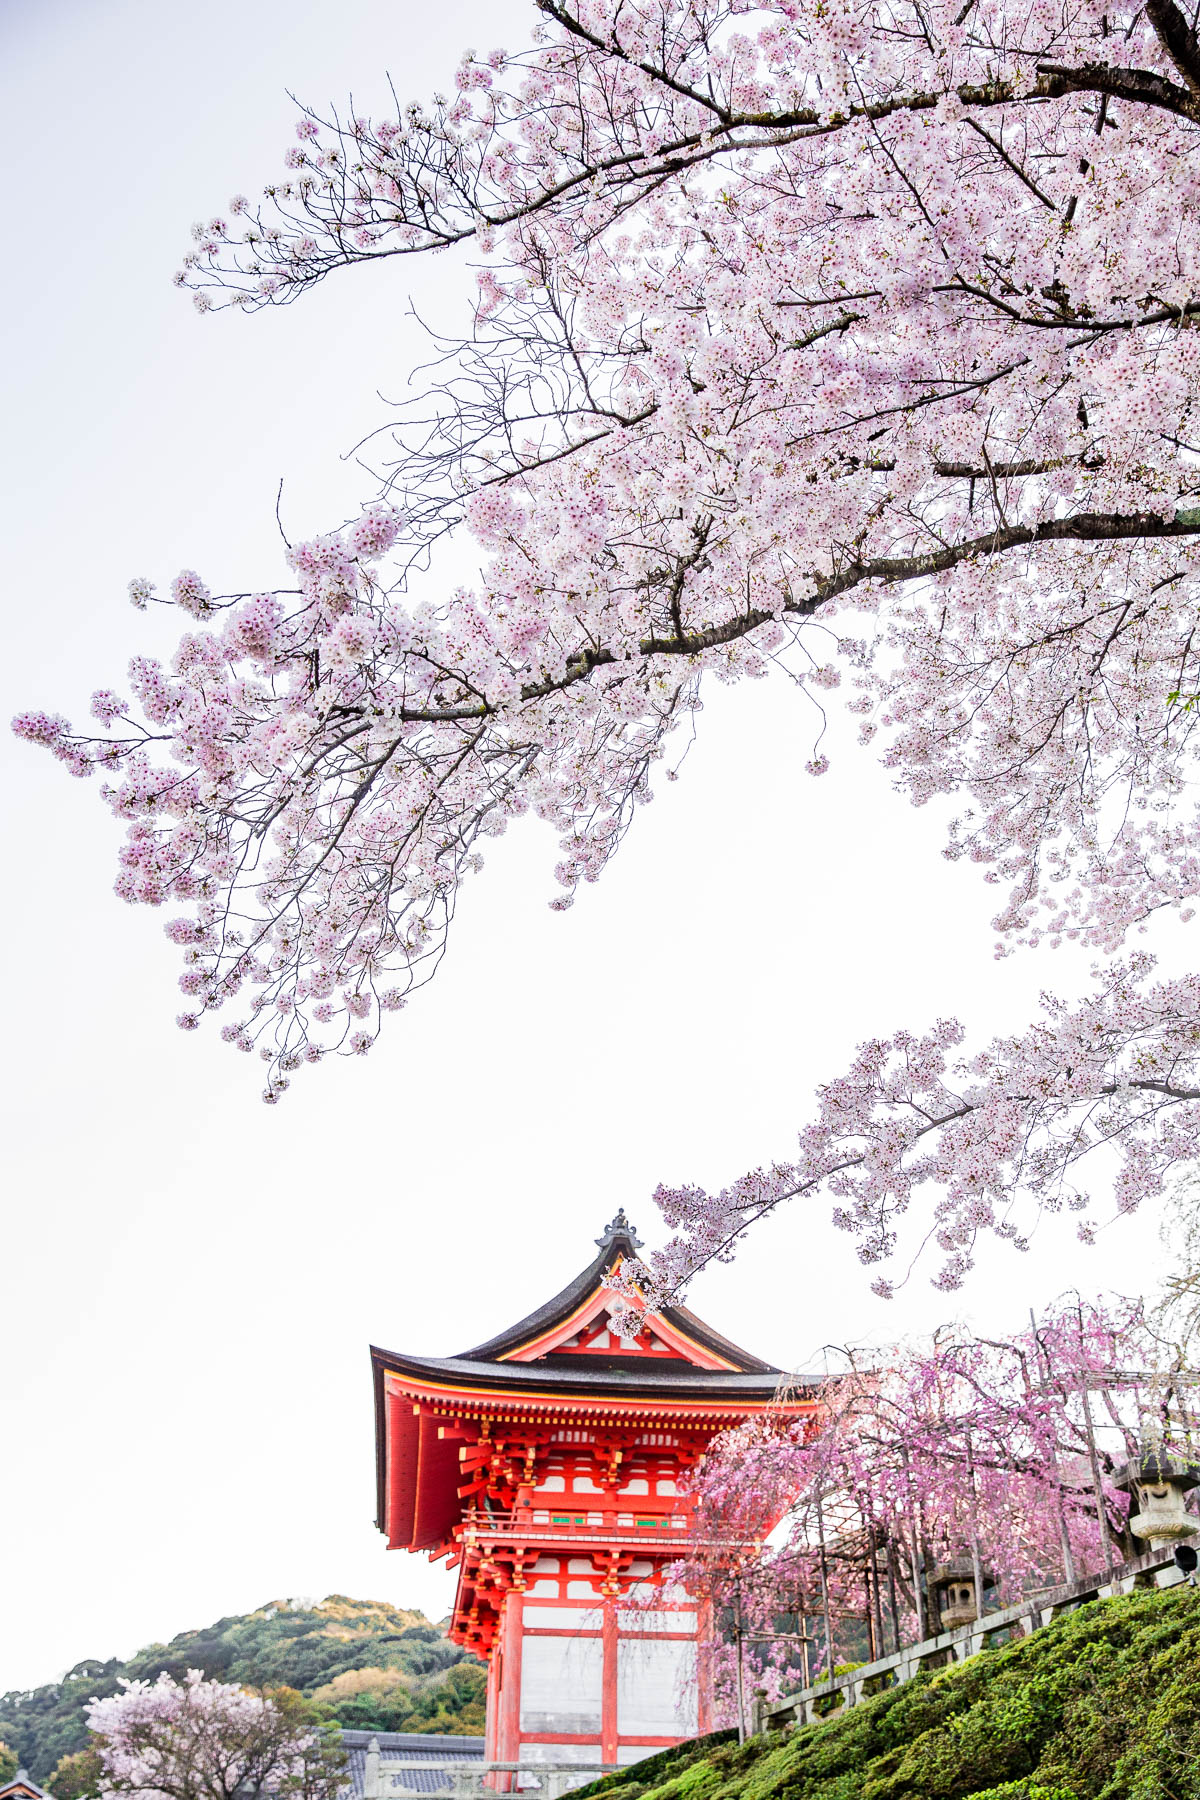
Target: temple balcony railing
x: 543, y: 1524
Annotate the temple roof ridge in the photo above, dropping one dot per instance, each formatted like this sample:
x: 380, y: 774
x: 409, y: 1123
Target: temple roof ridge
x: 619, y: 1228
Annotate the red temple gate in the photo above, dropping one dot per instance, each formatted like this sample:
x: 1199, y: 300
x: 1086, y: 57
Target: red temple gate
x: 550, y: 1465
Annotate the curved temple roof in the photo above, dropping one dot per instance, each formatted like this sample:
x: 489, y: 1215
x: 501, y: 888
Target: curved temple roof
x: 564, y: 1354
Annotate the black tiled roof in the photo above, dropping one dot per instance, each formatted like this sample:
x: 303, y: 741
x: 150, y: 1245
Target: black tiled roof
x: 397, y: 1748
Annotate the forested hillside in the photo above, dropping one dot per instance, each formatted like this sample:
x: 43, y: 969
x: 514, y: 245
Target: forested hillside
x: 366, y: 1664
x: 1102, y: 1705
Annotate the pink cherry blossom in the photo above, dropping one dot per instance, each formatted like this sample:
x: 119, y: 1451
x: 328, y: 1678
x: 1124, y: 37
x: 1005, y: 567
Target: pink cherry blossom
x: 997, y: 1452
x: 198, y: 1739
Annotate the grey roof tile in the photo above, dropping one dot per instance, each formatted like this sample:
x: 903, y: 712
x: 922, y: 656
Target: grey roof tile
x: 396, y: 1748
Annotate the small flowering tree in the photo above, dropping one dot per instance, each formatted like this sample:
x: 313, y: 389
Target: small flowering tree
x: 999, y: 1453
x: 856, y: 337
x: 206, y: 1740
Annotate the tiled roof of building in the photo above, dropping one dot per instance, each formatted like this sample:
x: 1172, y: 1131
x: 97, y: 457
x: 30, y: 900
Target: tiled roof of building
x: 596, y: 1376
x: 400, y: 1748
x: 23, y: 1787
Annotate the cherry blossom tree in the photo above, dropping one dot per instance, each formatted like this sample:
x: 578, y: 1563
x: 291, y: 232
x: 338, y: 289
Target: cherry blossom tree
x: 854, y: 338
x: 206, y: 1740
x: 997, y: 1452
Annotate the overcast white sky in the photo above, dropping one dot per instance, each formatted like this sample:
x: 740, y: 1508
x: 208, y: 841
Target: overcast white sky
x: 191, y: 1279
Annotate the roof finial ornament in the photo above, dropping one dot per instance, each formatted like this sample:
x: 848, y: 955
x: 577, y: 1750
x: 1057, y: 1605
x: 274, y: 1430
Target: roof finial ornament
x: 619, y: 1227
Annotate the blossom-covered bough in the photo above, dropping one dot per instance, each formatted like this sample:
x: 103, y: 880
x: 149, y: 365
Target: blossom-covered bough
x: 854, y: 335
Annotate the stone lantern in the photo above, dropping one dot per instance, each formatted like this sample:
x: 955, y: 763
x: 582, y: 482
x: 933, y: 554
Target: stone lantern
x: 1156, y: 1481
x: 952, y: 1585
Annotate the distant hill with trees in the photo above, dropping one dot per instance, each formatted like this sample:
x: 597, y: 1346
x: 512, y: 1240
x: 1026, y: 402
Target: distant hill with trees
x: 365, y: 1664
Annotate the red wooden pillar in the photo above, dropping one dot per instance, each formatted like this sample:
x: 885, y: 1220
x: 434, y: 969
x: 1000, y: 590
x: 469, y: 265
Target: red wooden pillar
x: 508, y: 1735
x: 704, y: 1636
x: 608, y: 1704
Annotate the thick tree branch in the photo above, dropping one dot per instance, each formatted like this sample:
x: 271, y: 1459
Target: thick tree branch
x: 1141, y: 87
x: 1177, y: 38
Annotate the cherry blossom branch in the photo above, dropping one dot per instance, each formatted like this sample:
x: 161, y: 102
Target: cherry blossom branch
x: 965, y: 491
x: 1016, y: 1122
